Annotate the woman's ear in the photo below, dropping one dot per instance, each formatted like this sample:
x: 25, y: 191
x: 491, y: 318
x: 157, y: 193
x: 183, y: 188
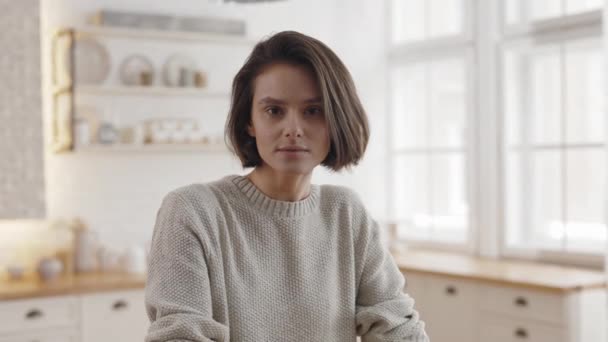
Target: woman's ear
x: 251, y: 130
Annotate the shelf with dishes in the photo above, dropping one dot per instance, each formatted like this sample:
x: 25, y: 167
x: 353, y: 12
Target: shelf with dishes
x: 157, y: 34
x: 156, y: 148
x: 118, y: 70
x: 151, y: 135
x: 148, y: 91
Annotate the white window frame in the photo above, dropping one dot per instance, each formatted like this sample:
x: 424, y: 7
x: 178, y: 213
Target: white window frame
x: 485, y: 159
x: 555, y: 30
x: 431, y: 49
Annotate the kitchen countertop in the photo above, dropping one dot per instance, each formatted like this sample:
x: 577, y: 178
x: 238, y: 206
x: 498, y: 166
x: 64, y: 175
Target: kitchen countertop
x: 532, y: 275
x: 510, y: 273
x: 77, y: 284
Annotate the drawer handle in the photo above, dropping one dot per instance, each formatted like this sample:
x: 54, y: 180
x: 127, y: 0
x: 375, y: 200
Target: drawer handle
x: 521, y: 301
x: 119, y: 305
x: 451, y: 290
x: 33, y: 314
x: 521, y: 333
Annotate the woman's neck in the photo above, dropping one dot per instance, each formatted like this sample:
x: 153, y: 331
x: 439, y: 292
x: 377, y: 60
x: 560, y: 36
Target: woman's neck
x: 281, y: 186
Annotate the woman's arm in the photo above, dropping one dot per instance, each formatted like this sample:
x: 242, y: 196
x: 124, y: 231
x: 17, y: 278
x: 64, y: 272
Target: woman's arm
x: 178, y: 297
x: 383, y: 311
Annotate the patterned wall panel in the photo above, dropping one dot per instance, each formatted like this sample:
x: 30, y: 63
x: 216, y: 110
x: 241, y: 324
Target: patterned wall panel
x: 21, y: 141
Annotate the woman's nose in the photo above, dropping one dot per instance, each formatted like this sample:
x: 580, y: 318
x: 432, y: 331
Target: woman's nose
x: 293, y: 127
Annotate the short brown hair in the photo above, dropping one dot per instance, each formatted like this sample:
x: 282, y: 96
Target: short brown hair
x: 346, y: 119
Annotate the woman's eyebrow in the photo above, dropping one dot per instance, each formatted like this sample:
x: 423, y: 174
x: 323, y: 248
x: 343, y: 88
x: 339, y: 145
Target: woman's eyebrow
x: 314, y: 100
x: 269, y: 99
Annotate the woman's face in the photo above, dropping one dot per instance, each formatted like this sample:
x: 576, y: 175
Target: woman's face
x: 287, y: 119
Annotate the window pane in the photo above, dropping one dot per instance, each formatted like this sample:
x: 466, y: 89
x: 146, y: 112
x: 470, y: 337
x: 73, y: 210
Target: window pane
x: 515, y: 202
x: 577, y: 6
x: 533, y: 95
x: 522, y: 11
x: 409, y: 126
x: 411, y: 196
x: 415, y: 20
x: 448, y: 101
x: 546, y: 199
x: 446, y: 17
x: 514, y: 95
x: 586, y: 186
x: 584, y: 92
x: 533, y: 202
x: 449, y: 204
x: 408, y: 20
x: 542, y: 9
x: 546, y: 95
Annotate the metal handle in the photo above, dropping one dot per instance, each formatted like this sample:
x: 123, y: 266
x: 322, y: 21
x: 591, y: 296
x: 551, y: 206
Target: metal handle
x: 119, y: 305
x: 451, y: 290
x: 34, y: 314
x: 521, y: 301
x: 521, y: 333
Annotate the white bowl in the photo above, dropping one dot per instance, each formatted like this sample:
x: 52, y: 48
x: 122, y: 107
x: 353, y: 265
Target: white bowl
x: 15, y: 271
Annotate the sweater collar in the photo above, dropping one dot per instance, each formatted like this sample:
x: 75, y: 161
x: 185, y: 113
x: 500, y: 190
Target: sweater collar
x: 275, y: 207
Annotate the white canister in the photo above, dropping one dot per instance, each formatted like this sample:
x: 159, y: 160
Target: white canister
x: 49, y: 268
x: 134, y: 260
x: 85, y: 251
x: 109, y: 259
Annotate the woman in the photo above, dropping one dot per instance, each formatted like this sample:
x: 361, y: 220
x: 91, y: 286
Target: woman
x: 269, y: 256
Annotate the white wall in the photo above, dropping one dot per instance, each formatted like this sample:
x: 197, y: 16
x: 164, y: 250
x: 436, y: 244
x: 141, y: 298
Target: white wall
x: 118, y: 194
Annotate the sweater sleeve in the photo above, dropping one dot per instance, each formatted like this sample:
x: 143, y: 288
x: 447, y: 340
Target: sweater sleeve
x: 383, y: 311
x: 178, y: 298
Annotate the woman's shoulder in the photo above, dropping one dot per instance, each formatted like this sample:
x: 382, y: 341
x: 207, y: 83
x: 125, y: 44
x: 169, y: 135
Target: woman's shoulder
x: 341, y: 195
x: 201, y: 195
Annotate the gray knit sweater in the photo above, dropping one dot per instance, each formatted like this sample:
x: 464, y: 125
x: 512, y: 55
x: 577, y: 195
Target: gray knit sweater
x: 229, y: 263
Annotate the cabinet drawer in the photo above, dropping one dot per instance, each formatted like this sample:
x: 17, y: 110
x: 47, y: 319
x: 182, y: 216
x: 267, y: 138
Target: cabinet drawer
x: 524, y: 303
x: 44, y: 336
x: 498, y: 328
x: 39, y: 313
x: 118, y: 316
x: 415, y: 284
x: 451, y: 309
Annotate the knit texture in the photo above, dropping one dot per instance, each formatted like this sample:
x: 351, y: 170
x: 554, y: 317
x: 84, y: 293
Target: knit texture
x: 228, y: 263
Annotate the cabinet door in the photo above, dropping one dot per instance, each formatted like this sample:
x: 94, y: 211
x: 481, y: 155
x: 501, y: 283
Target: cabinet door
x: 17, y: 316
x: 416, y: 287
x: 450, y: 309
x: 499, y: 328
x: 114, y: 316
x: 44, y: 336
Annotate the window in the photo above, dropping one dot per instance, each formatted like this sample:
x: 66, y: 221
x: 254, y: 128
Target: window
x: 430, y: 108
x: 531, y: 74
x: 554, y: 128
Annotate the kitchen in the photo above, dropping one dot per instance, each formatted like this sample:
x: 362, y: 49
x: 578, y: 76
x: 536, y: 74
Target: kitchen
x: 492, y: 200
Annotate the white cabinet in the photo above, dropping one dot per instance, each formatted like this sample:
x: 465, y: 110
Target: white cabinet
x: 446, y: 305
x: 499, y: 328
x: 456, y: 309
x: 114, y: 316
x: 20, y: 316
x: 45, y: 336
x: 117, y: 316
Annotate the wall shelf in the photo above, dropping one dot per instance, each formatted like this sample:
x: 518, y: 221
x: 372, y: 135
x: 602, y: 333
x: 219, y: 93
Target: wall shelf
x: 66, y: 90
x: 134, y: 33
x: 148, y: 91
x: 134, y: 148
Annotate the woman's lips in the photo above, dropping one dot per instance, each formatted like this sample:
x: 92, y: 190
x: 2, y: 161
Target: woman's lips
x: 292, y: 151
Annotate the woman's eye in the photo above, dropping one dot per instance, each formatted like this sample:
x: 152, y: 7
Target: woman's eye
x: 314, y: 111
x: 273, y: 110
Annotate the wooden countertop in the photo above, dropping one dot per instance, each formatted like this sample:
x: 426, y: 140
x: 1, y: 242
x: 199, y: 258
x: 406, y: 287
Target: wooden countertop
x: 511, y: 273
x: 77, y: 284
